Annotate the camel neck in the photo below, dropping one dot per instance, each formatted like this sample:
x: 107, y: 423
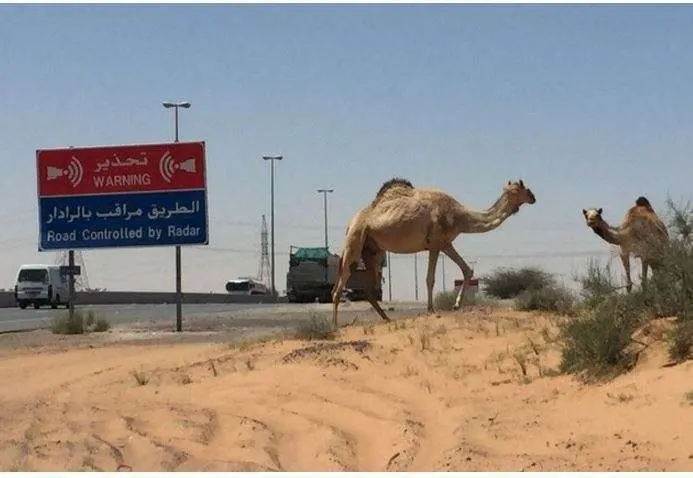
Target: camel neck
x: 494, y: 216
x: 608, y: 233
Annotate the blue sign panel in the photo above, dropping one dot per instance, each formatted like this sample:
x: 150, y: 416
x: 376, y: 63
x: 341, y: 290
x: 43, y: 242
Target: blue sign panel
x: 123, y: 220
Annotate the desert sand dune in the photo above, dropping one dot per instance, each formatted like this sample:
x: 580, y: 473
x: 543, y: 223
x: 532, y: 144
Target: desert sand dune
x: 473, y: 390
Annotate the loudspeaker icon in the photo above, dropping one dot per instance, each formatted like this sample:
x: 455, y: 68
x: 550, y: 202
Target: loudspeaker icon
x: 53, y: 173
x: 74, y: 172
x: 167, y: 166
x: 188, y: 165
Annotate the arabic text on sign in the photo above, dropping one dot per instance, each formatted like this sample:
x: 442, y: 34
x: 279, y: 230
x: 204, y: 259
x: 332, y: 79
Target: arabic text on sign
x: 120, y: 211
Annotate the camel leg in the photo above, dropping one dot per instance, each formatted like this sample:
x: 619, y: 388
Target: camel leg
x: 350, y: 257
x: 372, y: 261
x: 431, y: 276
x: 625, y: 258
x: 467, y: 272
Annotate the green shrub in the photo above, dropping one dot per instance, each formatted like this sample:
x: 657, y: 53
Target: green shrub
x: 681, y: 341
x: 446, y: 300
x: 509, y: 283
x: 550, y: 298
x: 597, y: 343
x: 63, y: 324
x: 317, y: 327
x: 82, y: 321
x: 597, y: 284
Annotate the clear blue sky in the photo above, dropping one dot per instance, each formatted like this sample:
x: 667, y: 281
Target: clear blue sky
x: 591, y: 105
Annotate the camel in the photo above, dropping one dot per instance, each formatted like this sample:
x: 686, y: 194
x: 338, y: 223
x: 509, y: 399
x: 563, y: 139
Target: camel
x: 642, y: 234
x: 403, y: 219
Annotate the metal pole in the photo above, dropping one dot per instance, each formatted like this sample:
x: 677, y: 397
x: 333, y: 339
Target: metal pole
x: 324, y: 206
x: 179, y: 289
x: 272, y: 159
x: 274, y: 290
x: 416, y: 278
x: 442, y: 266
x: 71, y: 282
x: 389, y: 275
x: 327, y: 245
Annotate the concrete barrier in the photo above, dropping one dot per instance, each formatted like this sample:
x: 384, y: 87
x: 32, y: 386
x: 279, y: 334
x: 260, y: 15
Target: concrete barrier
x: 125, y: 297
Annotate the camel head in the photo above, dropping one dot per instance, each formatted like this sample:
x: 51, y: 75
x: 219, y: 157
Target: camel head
x: 518, y: 194
x: 593, y: 217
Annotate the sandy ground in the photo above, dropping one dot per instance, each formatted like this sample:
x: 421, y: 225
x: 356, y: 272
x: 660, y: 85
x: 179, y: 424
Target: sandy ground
x: 445, y: 393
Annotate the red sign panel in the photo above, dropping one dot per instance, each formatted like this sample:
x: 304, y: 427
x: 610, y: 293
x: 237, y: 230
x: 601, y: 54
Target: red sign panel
x: 118, y: 169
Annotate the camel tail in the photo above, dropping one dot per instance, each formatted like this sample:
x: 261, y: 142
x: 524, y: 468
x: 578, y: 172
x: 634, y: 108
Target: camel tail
x: 643, y: 202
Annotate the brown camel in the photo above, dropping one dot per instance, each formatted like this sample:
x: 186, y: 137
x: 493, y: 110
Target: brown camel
x: 642, y: 234
x: 404, y: 220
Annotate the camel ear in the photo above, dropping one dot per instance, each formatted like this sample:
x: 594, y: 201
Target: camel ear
x: 522, y: 185
x: 584, y: 212
x: 508, y: 182
x: 599, y: 211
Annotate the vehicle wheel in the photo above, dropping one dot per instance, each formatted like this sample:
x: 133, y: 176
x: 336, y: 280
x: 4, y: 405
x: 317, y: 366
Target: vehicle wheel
x: 22, y: 305
x: 36, y: 305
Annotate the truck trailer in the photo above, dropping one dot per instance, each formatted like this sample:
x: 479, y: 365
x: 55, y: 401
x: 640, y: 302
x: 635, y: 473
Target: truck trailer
x: 313, y: 273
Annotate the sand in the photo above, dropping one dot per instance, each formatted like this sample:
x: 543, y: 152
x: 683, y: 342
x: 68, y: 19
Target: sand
x: 467, y: 391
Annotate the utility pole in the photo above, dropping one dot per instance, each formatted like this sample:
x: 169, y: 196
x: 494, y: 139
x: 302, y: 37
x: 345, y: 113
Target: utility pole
x: 416, y: 277
x: 324, y: 197
x: 272, y: 159
x: 327, y: 245
x: 442, y: 267
x: 389, y: 275
x: 179, y: 292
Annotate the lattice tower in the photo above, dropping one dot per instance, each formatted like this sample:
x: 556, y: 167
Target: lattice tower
x: 82, y: 280
x: 263, y: 273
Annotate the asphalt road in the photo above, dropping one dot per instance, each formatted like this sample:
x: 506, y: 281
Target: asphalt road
x: 201, y: 316
x: 12, y: 319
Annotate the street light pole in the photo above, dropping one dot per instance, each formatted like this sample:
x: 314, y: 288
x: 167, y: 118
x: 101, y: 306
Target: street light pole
x: 272, y: 159
x: 327, y: 246
x: 416, y: 277
x: 324, y: 197
x: 389, y: 276
x: 179, y: 293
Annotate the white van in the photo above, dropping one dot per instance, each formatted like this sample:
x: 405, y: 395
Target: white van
x: 41, y: 284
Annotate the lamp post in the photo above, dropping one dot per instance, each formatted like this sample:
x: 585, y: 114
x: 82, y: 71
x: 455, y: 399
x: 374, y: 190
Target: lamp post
x: 272, y: 159
x: 179, y: 294
x: 389, y: 276
x: 324, y: 197
x: 416, y: 277
x: 327, y: 247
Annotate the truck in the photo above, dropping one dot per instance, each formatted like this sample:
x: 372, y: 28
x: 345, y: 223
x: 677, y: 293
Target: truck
x: 313, y: 273
x: 41, y: 284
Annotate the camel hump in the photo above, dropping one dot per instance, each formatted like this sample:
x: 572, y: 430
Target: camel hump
x: 643, y: 202
x: 393, y: 183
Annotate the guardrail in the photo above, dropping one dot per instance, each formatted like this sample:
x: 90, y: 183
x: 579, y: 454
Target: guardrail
x: 125, y: 297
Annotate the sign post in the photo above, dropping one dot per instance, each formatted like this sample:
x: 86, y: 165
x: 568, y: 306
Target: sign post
x: 122, y: 196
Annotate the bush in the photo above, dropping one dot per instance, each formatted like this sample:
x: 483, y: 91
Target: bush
x: 681, y: 341
x: 81, y: 322
x: 446, y: 300
x: 597, y: 285
x: 672, y: 285
x: 63, y: 324
x: 317, y: 327
x: 509, y: 283
x: 550, y: 298
x: 597, y: 343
